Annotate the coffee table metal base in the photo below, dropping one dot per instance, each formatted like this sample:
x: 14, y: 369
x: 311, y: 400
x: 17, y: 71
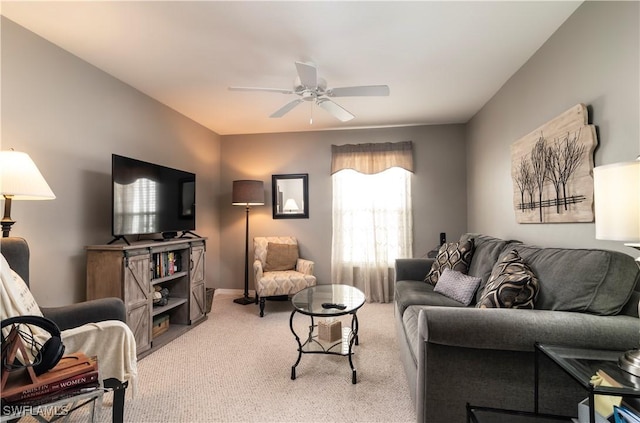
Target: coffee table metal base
x: 312, y: 345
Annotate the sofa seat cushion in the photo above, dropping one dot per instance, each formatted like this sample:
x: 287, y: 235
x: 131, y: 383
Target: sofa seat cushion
x: 590, y: 281
x: 410, y: 293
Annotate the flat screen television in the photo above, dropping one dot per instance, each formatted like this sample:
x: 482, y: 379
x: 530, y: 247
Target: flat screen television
x: 149, y: 199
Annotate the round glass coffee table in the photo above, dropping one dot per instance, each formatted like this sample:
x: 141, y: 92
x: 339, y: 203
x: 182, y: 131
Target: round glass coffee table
x: 327, y: 301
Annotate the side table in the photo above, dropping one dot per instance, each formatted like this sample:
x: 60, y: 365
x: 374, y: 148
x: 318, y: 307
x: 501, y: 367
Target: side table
x: 581, y: 364
x: 327, y: 301
x: 495, y: 415
x: 52, y: 411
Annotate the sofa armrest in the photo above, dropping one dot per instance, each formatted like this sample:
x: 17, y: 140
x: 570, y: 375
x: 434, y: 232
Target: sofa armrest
x: 518, y: 330
x: 412, y: 269
x: 305, y: 266
x: 75, y: 315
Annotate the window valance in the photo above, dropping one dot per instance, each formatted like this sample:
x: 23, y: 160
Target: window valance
x: 373, y: 157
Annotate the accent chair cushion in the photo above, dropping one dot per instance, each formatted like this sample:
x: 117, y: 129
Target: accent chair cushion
x: 512, y: 284
x: 281, y: 257
x: 283, y: 282
x: 457, y: 286
x: 453, y: 255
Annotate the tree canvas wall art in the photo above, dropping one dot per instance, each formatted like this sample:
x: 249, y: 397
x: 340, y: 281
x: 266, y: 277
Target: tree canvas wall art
x: 552, y: 170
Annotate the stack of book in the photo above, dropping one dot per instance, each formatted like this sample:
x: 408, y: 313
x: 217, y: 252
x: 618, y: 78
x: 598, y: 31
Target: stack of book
x: 623, y: 414
x: 74, y: 374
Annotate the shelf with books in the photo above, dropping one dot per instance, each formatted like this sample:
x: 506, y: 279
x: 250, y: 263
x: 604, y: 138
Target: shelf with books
x: 152, y: 278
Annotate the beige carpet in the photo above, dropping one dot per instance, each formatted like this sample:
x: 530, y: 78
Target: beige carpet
x: 236, y: 367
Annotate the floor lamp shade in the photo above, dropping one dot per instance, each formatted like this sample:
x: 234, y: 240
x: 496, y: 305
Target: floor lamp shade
x: 247, y: 193
x: 20, y: 179
x: 617, y: 201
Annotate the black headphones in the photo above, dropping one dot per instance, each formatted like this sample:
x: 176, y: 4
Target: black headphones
x: 50, y: 353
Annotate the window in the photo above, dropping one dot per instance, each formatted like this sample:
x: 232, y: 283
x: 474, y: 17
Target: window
x: 372, y: 226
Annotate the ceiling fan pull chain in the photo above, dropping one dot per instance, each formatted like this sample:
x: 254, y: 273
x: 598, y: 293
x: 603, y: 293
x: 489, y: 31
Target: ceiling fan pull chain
x: 311, y: 118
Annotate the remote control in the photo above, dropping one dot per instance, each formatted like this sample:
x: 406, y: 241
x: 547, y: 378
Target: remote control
x: 332, y: 305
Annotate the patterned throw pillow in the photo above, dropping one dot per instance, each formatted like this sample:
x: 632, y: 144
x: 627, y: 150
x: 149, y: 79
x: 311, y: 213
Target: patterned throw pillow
x: 281, y: 257
x: 512, y: 284
x: 457, y: 286
x: 454, y: 255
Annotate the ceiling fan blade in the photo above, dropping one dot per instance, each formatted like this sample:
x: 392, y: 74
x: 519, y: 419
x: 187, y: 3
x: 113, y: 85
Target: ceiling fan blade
x: 286, y: 108
x: 361, y: 91
x: 271, y: 90
x: 308, y: 75
x: 334, y: 109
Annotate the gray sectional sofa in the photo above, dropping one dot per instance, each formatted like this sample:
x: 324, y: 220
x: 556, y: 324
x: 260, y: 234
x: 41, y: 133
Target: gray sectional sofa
x: 453, y: 355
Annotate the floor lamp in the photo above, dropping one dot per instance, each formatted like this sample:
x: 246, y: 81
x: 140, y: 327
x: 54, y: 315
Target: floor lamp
x: 20, y: 179
x: 247, y: 193
x: 617, y: 212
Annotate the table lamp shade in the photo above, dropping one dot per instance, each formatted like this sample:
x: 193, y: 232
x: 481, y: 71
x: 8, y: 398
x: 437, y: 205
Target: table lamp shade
x: 20, y: 178
x: 617, y: 201
x: 247, y: 193
x: 291, y: 205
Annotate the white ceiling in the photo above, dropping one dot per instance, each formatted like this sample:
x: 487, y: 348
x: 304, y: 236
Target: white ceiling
x: 442, y: 60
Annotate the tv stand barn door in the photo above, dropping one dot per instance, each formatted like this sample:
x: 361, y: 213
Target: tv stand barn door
x: 135, y: 272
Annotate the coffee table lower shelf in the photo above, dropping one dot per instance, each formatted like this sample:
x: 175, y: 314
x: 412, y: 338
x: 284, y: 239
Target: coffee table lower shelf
x: 496, y: 415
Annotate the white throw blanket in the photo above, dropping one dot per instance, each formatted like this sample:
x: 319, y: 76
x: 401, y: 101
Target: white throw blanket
x: 111, y: 341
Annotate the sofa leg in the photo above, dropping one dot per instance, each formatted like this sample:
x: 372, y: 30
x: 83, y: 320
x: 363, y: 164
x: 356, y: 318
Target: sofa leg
x: 119, y: 390
x: 262, y: 306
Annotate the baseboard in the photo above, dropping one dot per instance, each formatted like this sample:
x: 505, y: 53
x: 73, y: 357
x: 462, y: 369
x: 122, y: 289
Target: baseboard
x: 231, y: 292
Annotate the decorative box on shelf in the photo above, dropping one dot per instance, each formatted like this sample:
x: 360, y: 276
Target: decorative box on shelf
x: 160, y: 325
x: 329, y: 330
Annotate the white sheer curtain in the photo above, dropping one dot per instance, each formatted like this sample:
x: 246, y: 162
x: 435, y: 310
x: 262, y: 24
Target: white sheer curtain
x: 372, y: 226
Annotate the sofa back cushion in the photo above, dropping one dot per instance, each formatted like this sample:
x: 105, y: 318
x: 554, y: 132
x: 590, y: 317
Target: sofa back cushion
x: 454, y: 255
x: 592, y: 281
x: 486, y: 252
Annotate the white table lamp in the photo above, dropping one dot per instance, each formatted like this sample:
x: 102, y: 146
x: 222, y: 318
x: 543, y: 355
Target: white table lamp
x: 20, y: 179
x: 617, y: 214
x: 290, y: 206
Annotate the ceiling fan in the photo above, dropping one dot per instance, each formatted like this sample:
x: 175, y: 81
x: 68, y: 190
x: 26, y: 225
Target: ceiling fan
x: 309, y: 87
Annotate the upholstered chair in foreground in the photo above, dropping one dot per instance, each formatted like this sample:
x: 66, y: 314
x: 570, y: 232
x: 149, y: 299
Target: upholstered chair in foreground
x: 99, y: 324
x: 278, y: 269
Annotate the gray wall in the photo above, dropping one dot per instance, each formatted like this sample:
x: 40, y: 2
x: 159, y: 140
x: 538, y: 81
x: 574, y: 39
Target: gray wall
x: 593, y: 58
x: 438, y: 190
x: 70, y: 117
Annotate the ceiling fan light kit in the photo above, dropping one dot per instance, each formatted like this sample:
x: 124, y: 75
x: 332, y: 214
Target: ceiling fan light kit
x: 311, y: 88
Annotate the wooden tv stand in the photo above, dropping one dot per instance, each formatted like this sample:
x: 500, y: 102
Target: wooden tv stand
x: 132, y: 273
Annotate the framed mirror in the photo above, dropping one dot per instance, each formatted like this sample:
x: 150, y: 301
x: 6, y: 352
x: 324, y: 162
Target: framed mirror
x: 290, y: 195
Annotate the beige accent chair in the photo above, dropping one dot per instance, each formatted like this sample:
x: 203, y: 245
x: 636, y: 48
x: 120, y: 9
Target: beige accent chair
x: 278, y: 283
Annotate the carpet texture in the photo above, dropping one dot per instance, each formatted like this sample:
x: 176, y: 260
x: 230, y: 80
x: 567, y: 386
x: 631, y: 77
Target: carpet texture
x: 236, y: 367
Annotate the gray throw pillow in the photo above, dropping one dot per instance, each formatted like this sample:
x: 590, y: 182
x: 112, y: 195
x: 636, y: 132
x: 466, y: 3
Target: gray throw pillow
x: 457, y: 286
x: 454, y: 255
x: 512, y: 284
